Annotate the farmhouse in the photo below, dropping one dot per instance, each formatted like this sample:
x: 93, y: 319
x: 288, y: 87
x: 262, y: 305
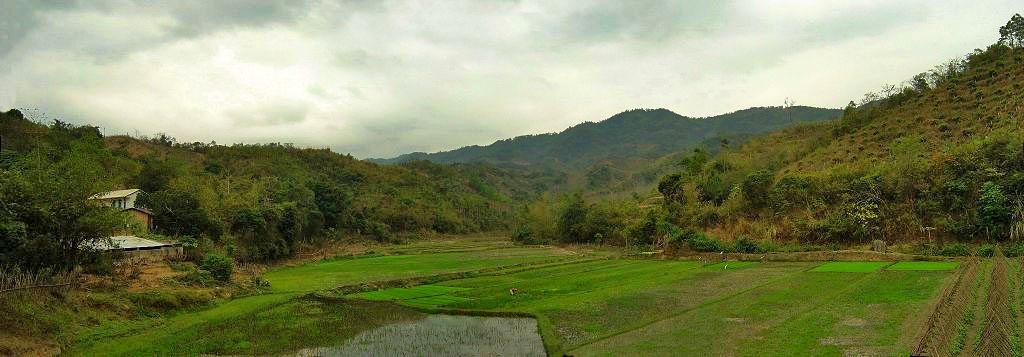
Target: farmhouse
x: 125, y: 201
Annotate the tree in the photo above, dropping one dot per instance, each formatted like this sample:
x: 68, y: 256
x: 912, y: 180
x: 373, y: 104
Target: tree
x: 712, y: 189
x: 1012, y: 34
x: 156, y: 174
x: 671, y: 188
x: 178, y: 212
x: 993, y: 208
x: 44, y: 213
x: 756, y: 187
x: 572, y: 219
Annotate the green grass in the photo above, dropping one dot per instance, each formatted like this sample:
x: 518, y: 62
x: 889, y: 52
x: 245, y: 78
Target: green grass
x: 850, y: 267
x: 407, y: 293
x: 333, y: 273
x: 868, y: 318
x: 434, y: 301
x: 805, y: 314
x: 924, y: 266
x: 730, y: 265
x: 590, y: 300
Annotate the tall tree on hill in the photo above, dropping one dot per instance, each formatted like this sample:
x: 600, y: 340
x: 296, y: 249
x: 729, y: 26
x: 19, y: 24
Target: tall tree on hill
x: 1012, y: 34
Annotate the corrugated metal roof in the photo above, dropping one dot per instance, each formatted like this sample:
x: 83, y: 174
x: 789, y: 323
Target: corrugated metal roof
x: 128, y: 242
x: 114, y: 194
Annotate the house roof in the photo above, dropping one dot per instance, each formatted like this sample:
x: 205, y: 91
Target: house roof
x: 129, y: 243
x: 114, y: 194
x: 140, y: 209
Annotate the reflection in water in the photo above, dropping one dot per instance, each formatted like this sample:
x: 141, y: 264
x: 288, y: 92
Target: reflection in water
x: 443, y: 335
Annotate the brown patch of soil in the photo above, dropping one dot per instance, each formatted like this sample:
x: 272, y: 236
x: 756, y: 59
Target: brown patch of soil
x: 152, y: 274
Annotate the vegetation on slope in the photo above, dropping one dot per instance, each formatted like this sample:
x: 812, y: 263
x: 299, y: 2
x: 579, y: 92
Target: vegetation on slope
x: 939, y: 156
x: 253, y: 202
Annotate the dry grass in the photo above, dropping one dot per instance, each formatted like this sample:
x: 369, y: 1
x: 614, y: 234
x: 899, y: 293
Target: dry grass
x: 15, y: 282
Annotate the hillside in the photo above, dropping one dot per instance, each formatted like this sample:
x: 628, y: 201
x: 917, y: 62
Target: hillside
x: 941, y: 156
x: 257, y: 202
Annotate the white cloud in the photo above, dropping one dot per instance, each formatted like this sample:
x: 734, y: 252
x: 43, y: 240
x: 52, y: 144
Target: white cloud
x: 383, y: 78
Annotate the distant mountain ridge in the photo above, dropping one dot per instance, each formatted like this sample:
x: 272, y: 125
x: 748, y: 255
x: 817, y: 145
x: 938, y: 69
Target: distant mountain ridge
x: 639, y: 134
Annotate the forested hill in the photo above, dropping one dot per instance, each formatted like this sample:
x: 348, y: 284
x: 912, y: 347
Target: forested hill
x: 940, y: 156
x: 642, y: 134
x: 260, y: 200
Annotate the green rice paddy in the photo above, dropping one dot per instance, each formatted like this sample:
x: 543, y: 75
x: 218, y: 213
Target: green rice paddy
x: 924, y: 266
x: 583, y: 306
x: 850, y: 267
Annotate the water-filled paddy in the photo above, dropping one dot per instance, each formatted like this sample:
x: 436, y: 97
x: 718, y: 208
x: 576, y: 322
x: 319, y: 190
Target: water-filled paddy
x: 443, y: 335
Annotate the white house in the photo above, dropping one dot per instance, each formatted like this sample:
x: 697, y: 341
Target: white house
x: 124, y: 200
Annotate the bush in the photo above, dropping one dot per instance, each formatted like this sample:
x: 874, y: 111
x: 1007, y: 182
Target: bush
x: 219, y: 266
x: 955, y: 250
x: 702, y: 243
x: 1014, y: 250
x: 745, y: 245
x: 986, y: 250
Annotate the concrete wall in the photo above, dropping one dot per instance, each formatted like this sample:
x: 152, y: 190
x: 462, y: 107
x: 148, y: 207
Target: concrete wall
x: 163, y: 252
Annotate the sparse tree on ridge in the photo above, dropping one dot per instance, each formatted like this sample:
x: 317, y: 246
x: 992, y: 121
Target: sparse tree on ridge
x: 1012, y: 34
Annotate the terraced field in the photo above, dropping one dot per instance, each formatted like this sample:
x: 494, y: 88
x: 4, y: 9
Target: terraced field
x: 593, y: 304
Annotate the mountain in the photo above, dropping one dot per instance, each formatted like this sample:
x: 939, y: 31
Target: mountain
x: 615, y: 154
x: 633, y: 134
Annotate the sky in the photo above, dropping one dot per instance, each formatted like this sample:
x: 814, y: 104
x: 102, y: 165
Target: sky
x: 382, y: 78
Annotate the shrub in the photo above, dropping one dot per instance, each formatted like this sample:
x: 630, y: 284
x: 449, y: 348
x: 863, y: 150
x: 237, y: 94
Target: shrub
x: 756, y: 187
x: 986, y: 250
x: 219, y: 266
x: 1014, y: 250
x: 745, y: 245
x: 702, y: 243
x: 955, y: 250
x: 197, y: 278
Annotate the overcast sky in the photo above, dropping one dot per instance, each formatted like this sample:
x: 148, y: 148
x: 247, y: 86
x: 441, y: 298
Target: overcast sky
x: 380, y: 78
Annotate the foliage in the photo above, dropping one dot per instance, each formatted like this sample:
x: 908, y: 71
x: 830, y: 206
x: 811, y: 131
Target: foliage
x: 698, y: 241
x: 1012, y: 34
x: 756, y: 187
x: 744, y: 244
x: 955, y: 250
x: 986, y: 250
x: 219, y: 266
x: 267, y: 199
x: 993, y: 209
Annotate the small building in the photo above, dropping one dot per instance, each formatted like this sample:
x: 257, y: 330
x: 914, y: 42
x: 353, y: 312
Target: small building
x: 125, y: 201
x: 138, y: 247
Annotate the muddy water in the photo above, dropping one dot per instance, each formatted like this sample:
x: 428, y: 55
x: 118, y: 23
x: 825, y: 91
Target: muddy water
x: 443, y: 335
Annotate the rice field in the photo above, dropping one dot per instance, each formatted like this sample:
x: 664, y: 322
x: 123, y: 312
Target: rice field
x: 595, y: 305
x: 851, y: 267
x: 923, y: 266
x: 443, y: 335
